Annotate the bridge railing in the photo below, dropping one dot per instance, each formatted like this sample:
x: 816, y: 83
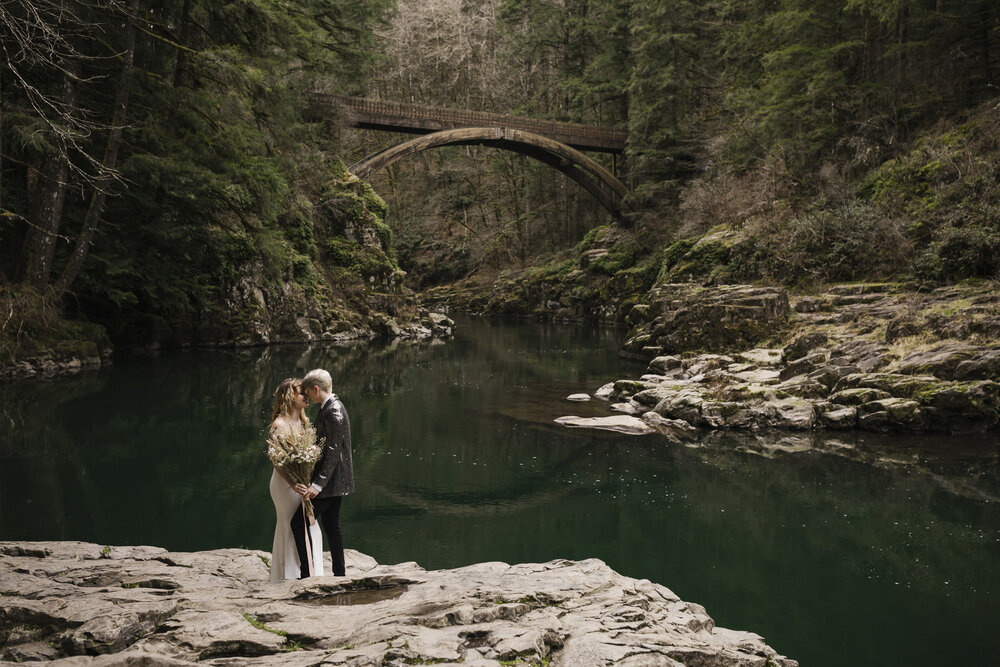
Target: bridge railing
x: 403, y: 116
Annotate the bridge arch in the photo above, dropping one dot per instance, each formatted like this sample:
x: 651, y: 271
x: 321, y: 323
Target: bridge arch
x: 588, y: 173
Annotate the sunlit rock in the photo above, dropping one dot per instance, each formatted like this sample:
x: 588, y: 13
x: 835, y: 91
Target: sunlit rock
x: 794, y: 413
x: 621, y: 424
x: 984, y: 366
x: 803, y: 387
x: 761, y: 356
x: 759, y: 376
x: 605, y: 391
x: 629, y: 408
x: 167, y: 608
x: 726, y: 414
x: 664, y: 364
x: 684, y: 404
x: 806, y: 364
x: 942, y: 361
x: 835, y: 416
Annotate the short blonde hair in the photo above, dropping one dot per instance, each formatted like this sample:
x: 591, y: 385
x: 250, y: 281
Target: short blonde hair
x: 318, y: 378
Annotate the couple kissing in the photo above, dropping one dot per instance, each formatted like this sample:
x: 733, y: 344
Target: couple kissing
x: 313, y: 472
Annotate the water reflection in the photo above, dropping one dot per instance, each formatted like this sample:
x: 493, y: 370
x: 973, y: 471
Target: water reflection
x: 813, y: 541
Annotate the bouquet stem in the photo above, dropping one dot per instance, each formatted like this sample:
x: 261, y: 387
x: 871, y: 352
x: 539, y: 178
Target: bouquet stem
x: 307, y: 510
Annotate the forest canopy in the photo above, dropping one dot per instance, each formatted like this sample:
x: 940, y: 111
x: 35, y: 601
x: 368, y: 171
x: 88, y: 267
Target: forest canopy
x: 155, y: 153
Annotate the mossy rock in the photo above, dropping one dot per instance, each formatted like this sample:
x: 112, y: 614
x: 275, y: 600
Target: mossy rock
x: 715, y: 319
x: 858, y: 396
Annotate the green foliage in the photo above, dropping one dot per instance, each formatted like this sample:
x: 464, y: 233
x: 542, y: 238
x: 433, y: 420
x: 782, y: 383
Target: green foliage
x: 672, y: 254
x: 31, y: 325
x: 221, y: 172
x: 701, y: 260
x: 842, y: 138
x: 961, y: 252
x: 590, y: 238
x: 620, y: 256
x: 670, y: 45
x: 252, y: 620
x: 947, y: 188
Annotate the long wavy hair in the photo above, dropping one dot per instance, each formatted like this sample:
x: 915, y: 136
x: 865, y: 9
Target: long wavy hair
x: 284, y: 395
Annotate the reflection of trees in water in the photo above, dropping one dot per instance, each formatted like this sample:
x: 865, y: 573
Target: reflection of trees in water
x: 884, y: 521
x: 46, y: 474
x: 969, y: 469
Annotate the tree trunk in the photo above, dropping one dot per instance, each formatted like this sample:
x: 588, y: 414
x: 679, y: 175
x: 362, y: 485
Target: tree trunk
x: 46, y: 210
x: 96, y: 207
x: 183, y: 38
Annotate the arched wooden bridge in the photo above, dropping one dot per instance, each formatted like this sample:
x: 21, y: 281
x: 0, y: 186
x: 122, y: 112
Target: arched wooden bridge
x: 556, y: 144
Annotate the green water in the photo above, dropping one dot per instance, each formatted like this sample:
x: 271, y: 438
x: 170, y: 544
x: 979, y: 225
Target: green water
x: 884, y: 553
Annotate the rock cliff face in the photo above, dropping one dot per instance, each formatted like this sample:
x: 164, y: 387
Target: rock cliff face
x: 148, y: 606
x: 686, y: 317
x: 326, y: 273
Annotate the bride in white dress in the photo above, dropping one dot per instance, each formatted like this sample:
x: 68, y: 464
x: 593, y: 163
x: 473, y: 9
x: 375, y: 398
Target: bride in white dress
x: 288, y: 417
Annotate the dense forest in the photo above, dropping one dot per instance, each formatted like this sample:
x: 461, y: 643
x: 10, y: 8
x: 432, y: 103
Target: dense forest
x: 163, y: 183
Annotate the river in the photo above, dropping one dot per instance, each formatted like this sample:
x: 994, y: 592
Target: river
x: 875, y: 550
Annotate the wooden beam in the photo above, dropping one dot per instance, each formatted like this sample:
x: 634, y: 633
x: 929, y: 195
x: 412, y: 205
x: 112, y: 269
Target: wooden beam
x: 418, y: 119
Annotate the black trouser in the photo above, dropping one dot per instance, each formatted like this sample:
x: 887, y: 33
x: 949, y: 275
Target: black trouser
x: 327, y: 512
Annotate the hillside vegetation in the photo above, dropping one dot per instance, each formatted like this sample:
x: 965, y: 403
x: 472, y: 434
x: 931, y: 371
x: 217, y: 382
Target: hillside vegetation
x: 159, y: 178
x: 789, y: 142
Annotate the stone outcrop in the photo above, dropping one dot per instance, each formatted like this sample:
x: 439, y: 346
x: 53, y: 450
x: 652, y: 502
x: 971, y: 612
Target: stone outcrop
x: 145, y: 605
x: 873, y: 357
x: 49, y: 364
x: 289, y: 326
x: 825, y: 389
x: 688, y: 317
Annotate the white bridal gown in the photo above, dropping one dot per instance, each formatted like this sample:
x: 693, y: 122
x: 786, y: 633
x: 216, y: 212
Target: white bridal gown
x: 284, y: 557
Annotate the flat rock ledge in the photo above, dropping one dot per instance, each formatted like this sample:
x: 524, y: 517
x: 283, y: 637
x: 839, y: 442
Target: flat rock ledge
x: 817, y: 381
x: 84, y: 604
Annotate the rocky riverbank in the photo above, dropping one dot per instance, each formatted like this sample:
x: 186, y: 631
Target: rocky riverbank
x: 146, y: 605
x: 875, y: 357
x: 70, y: 356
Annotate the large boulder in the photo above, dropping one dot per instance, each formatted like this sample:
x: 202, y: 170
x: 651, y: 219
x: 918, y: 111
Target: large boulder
x: 962, y: 407
x: 941, y: 361
x: 710, y: 319
x: 803, y: 344
x: 890, y: 415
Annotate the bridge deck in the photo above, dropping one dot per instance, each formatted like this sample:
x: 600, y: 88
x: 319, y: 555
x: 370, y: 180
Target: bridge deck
x: 418, y: 119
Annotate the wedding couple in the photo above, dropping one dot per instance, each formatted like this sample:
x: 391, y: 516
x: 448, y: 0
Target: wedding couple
x: 292, y: 555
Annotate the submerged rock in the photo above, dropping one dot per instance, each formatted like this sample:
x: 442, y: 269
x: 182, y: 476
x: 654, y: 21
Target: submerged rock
x: 145, y: 605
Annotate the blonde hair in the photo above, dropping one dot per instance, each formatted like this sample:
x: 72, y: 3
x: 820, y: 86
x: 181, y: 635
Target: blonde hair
x: 284, y: 395
x: 318, y: 378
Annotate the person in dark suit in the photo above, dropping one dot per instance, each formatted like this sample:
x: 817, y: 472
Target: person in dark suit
x: 333, y: 476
